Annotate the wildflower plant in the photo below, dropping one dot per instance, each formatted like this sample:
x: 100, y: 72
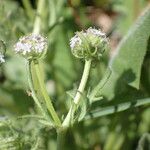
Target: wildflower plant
x: 34, y: 46
x: 87, y: 45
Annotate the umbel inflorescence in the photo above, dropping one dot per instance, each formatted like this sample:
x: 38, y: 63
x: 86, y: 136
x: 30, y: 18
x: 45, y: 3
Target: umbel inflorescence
x: 88, y: 44
x: 32, y: 46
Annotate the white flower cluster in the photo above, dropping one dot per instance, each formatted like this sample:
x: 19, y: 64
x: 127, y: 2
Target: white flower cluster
x: 76, y: 39
x: 31, y: 44
x: 2, y: 60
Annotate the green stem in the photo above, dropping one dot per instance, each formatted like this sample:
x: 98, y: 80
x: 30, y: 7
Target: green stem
x: 33, y: 91
x: 61, y: 138
x: 79, y: 93
x: 28, y: 8
x: 37, y: 22
x: 45, y: 95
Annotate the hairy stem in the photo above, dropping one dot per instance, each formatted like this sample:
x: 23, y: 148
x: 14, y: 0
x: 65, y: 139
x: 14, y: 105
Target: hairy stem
x: 45, y: 95
x: 79, y: 93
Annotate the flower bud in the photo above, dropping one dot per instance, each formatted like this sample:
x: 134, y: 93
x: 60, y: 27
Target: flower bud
x: 32, y: 46
x: 88, y: 44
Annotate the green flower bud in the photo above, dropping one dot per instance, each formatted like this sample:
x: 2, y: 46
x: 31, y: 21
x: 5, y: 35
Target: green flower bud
x: 88, y: 44
x: 32, y: 46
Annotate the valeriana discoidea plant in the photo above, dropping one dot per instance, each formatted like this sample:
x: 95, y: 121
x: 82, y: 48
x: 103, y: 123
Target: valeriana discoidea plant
x: 87, y: 45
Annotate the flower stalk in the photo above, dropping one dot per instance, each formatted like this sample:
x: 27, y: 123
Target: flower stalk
x: 34, y: 95
x: 45, y: 95
x: 79, y: 93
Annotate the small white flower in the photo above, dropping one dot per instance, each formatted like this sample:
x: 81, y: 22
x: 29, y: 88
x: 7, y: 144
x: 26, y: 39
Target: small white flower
x: 2, y: 60
x: 31, y: 46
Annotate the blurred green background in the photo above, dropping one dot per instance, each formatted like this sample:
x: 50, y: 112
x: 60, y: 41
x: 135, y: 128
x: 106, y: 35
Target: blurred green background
x: 60, y: 19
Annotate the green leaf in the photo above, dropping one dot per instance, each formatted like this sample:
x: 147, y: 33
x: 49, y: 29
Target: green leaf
x: 127, y: 62
x: 117, y: 108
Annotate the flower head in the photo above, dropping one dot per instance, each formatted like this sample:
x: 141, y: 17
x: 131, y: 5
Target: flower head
x: 89, y: 43
x: 32, y: 46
